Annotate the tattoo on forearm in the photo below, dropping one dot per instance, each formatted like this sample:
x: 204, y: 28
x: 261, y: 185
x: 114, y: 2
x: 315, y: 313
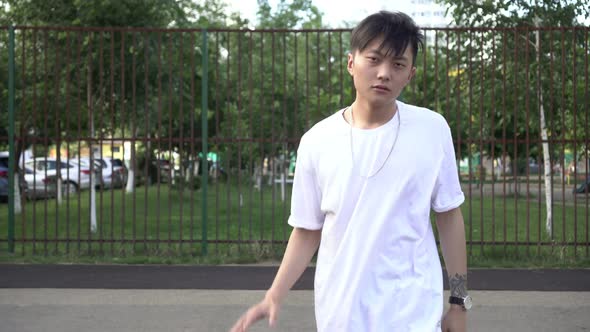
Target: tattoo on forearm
x: 458, y: 285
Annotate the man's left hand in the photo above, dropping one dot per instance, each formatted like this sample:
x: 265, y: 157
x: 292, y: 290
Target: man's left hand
x: 455, y: 320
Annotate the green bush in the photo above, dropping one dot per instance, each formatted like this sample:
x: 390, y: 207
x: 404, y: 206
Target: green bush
x: 180, y: 182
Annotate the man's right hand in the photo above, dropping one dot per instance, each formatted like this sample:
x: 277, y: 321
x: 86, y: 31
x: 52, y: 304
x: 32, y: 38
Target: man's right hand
x: 266, y: 308
x: 300, y: 249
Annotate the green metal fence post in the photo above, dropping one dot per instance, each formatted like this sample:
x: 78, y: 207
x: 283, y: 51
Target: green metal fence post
x: 11, y: 156
x: 204, y: 134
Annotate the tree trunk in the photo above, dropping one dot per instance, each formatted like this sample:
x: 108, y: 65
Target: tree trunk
x: 546, y: 154
x: 130, y: 186
x: 547, y: 169
x: 20, y: 148
x: 58, y: 187
x: 18, y: 207
x: 91, y: 151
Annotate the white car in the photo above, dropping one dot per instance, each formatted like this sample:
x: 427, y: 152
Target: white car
x: 39, y: 185
x: 112, y: 173
x: 74, y: 177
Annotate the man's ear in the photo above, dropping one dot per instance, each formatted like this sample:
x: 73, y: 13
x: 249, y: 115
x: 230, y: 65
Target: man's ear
x: 411, y: 75
x: 350, y: 64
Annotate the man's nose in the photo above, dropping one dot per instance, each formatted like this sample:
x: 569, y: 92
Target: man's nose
x: 384, y: 71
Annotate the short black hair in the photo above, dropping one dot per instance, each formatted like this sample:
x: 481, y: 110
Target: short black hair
x: 397, y: 29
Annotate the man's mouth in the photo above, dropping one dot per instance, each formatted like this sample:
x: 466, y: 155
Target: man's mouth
x: 380, y: 87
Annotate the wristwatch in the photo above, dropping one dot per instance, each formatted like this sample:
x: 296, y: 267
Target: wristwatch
x: 464, y: 302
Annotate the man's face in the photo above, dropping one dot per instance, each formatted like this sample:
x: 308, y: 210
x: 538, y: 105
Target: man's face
x: 380, y: 79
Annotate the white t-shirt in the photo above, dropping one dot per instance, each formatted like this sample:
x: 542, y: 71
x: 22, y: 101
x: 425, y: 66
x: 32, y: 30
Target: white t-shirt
x: 378, y: 267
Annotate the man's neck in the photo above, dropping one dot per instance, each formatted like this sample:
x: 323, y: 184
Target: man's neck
x: 368, y: 116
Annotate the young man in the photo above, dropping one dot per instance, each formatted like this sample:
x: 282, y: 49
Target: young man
x: 365, y: 182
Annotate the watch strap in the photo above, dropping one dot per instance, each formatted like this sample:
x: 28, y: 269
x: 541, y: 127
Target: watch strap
x: 456, y: 300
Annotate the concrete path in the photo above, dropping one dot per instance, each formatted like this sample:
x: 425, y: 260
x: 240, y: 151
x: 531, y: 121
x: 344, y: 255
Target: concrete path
x: 99, y: 310
x: 89, y: 298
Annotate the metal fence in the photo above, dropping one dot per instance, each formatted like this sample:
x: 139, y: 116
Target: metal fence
x: 207, y: 123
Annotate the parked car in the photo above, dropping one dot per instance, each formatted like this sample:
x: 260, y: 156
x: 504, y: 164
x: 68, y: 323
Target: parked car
x: 84, y: 162
x: 38, y: 185
x: 4, y: 171
x: 529, y: 165
x: 163, y: 167
x: 74, y: 177
x: 4, y: 176
x: 114, y: 172
x: 534, y: 167
x: 111, y: 172
x: 584, y: 188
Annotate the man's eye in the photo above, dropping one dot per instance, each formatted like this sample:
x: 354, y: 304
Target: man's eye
x: 372, y: 59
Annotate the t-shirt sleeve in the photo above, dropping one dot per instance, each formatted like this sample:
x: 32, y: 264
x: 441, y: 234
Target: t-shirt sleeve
x: 447, y: 193
x: 306, y: 196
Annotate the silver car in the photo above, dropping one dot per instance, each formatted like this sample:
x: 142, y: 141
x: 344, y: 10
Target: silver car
x: 39, y: 185
x: 74, y: 177
x: 114, y: 172
x: 111, y: 173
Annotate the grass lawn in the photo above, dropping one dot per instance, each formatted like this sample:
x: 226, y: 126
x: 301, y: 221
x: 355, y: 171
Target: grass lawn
x: 158, y: 221
x: 494, y: 225
x: 164, y: 225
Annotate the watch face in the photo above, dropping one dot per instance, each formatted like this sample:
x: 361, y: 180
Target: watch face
x: 467, y: 303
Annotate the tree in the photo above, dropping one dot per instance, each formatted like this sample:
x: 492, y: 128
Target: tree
x: 75, y: 83
x: 106, y: 60
x: 289, y: 15
x: 538, y: 42
x: 264, y: 94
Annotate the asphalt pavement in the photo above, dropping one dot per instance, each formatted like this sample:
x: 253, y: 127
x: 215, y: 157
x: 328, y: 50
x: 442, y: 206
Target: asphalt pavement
x: 68, y: 298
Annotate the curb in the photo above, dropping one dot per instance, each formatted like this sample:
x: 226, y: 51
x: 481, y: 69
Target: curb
x: 253, y: 277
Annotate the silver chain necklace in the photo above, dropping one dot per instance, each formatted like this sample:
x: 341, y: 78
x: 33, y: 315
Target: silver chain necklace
x: 399, y: 121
